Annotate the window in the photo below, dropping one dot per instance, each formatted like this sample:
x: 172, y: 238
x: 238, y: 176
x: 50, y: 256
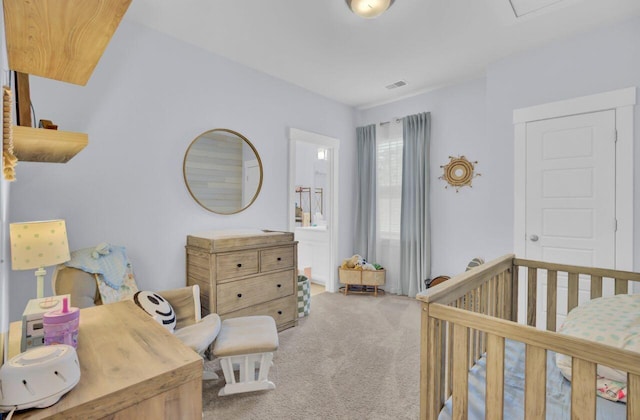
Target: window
x: 389, y: 165
x: 388, y: 195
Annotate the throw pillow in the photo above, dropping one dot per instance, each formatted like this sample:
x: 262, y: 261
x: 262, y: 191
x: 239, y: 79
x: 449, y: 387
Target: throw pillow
x: 158, y: 307
x: 614, y: 321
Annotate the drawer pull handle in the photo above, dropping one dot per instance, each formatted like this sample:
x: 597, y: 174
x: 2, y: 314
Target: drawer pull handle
x: 279, y: 285
x: 239, y: 295
x: 279, y: 258
x: 279, y: 312
x: 239, y: 265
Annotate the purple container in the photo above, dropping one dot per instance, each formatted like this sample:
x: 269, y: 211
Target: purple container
x: 61, y: 327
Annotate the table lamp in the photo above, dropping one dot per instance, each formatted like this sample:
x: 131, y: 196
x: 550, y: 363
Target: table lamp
x: 35, y: 245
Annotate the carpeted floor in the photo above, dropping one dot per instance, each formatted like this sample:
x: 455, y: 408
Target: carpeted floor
x: 353, y: 357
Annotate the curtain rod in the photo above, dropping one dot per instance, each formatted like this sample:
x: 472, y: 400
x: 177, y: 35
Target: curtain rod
x: 395, y: 120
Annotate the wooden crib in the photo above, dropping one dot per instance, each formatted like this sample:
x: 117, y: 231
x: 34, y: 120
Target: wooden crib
x: 473, y: 313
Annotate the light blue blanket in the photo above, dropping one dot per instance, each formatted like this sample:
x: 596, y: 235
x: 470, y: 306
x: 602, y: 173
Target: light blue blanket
x: 108, y: 260
x: 558, y: 390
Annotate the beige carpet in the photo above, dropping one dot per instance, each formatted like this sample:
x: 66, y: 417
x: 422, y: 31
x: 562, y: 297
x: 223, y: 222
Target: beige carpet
x: 353, y: 357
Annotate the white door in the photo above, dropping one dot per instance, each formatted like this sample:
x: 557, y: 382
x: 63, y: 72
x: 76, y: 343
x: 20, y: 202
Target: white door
x: 251, y: 181
x: 570, y: 197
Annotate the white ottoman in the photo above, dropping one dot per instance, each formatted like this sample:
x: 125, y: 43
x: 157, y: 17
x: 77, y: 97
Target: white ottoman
x: 246, y: 344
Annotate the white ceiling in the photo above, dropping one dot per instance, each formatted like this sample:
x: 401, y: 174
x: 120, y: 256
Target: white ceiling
x: 322, y: 46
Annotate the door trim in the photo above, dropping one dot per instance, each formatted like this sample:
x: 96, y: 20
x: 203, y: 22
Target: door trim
x: 623, y: 102
x: 333, y: 145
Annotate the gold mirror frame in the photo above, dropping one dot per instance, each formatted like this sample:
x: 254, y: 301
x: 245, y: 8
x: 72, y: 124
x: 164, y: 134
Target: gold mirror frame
x: 223, y: 148
x: 459, y: 172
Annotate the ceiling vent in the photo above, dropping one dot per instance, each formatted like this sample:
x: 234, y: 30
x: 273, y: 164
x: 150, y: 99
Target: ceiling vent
x: 397, y: 84
x: 524, y: 7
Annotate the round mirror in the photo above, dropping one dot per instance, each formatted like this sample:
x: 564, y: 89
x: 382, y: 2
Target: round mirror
x: 223, y: 171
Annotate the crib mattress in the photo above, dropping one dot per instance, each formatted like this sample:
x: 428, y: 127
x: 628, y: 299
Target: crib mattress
x: 558, y: 390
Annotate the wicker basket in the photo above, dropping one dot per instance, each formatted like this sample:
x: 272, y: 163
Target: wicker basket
x: 361, y: 277
x: 366, y: 281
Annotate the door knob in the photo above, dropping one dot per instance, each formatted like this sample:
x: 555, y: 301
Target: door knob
x: 533, y: 238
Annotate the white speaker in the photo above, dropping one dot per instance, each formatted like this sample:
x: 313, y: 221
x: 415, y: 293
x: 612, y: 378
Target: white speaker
x: 38, y: 377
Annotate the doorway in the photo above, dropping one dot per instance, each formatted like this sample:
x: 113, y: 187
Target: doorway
x: 313, y: 205
x: 573, y: 185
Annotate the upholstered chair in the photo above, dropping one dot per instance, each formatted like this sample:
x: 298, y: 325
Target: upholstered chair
x: 194, y: 331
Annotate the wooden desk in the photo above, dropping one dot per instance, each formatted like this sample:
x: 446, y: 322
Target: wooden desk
x: 131, y: 367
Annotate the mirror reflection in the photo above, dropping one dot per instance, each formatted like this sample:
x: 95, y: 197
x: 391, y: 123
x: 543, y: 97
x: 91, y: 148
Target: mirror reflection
x: 223, y: 171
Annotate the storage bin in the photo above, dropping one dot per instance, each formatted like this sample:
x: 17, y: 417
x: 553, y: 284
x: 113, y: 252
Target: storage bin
x: 350, y: 276
x: 304, y: 296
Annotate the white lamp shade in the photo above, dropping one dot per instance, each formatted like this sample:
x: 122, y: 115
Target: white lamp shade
x: 38, y: 244
x: 369, y: 8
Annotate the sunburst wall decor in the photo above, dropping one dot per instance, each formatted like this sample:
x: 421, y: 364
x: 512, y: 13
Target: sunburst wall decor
x: 459, y: 172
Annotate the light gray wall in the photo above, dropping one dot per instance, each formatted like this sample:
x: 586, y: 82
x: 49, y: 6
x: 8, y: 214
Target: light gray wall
x: 598, y: 61
x: 468, y: 223
x: 476, y: 119
x: 148, y: 98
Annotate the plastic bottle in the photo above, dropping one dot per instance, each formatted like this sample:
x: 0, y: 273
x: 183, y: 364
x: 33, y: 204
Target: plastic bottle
x: 61, y: 327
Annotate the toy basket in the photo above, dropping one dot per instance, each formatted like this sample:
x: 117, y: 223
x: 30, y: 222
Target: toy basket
x: 353, y: 277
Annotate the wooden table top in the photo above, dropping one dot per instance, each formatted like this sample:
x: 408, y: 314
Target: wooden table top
x: 125, y: 357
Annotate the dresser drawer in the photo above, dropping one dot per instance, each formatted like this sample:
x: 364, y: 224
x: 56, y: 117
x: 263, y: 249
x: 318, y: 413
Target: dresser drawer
x: 276, y: 259
x: 237, y: 264
x: 282, y: 310
x: 240, y: 294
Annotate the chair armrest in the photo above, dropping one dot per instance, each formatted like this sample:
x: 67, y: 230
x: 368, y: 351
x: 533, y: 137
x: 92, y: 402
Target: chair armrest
x: 80, y: 285
x: 186, y: 304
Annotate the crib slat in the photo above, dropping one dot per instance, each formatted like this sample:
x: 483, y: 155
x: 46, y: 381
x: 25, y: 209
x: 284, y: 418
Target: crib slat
x: 483, y: 310
x: 468, y: 302
x: 460, y: 386
x: 473, y: 332
x: 495, y: 377
x: 583, y: 381
x: 572, y: 298
x: 514, y: 293
x: 633, y: 396
x: 621, y: 287
x: 495, y: 302
x: 535, y: 382
x: 502, y: 298
x: 507, y: 294
x: 478, y: 349
x: 596, y: 287
x: 552, y: 292
x: 490, y: 297
x: 431, y: 356
x: 497, y: 281
x: 532, y: 287
x: 449, y: 361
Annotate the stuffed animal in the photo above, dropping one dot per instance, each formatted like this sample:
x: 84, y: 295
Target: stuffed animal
x: 358, y: 263
x: 364, y: 265
x: 351, y: 262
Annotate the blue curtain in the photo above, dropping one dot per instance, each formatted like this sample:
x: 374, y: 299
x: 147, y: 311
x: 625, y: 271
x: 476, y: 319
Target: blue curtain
x: 415, y: 232
x: 365, y: 223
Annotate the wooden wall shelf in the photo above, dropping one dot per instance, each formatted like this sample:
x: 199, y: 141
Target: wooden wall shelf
x: 61, y: 40
x: 41, y: 145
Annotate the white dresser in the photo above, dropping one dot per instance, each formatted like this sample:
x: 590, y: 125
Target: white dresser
x: 245, y: 272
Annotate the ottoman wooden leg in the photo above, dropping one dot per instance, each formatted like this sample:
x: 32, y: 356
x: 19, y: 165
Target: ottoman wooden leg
x: 249, y: 379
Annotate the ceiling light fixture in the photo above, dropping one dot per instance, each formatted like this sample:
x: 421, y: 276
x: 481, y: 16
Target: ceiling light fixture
x: 369, y: 8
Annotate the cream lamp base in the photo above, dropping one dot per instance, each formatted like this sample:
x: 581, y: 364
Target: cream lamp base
x: 48, y: 303
x: 40, y: 273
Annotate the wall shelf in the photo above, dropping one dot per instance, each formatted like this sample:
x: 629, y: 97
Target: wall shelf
x: 61, y: 40
x: 42, y: 145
